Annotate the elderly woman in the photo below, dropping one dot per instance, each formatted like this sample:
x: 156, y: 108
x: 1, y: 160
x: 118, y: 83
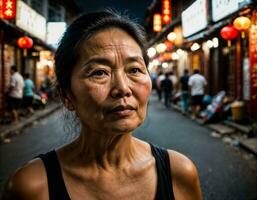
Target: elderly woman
x: 102, y: 77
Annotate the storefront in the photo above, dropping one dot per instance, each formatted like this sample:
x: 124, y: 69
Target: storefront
x: 26, y: 23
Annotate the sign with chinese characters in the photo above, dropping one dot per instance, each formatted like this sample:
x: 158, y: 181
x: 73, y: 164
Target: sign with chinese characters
x: 194, y: 18
x: 223, y: 8
x: 166, y: 11
x: 7, y: 9
x: 253, y: 63
x: 30, y: 21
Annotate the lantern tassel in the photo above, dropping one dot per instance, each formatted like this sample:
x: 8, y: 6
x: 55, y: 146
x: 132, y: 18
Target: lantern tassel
x: 25, y: 52
x: 243, y: 34
x: 229, y: 43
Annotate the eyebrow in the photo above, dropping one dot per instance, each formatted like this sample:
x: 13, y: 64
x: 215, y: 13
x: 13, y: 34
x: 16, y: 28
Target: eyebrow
x: 105, y: 61
x: 135, y: 59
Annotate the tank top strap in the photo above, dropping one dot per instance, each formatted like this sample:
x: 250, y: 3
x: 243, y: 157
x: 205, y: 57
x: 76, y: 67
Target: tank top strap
x: 56, y: 186
x: 164, y: 178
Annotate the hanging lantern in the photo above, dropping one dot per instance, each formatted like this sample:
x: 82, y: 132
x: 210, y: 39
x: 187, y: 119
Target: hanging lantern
x: 25, y: 42
x: 242, y: 24
x: 229, y: 33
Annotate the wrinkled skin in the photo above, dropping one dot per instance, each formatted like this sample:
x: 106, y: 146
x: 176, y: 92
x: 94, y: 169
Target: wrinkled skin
x: 110, y: 74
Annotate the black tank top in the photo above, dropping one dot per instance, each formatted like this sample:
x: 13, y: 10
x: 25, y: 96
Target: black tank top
x: 57, y: 189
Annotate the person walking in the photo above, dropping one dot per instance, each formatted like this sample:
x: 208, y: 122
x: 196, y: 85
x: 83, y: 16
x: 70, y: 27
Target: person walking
x: 184, y: 91
x: 28, y: 93
x: 167, y: 88
x: 159, y: 79
x: 197, y: 84
x: 15, y: 93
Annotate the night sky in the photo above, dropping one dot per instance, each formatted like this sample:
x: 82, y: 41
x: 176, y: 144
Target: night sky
x: 134, y: 8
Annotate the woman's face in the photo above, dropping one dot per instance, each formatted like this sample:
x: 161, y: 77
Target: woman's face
x: 110, y: 84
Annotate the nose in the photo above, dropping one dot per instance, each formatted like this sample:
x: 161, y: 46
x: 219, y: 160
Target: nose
x: 120, y: 86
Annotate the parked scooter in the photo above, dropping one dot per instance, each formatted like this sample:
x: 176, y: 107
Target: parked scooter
x: 40, y: 99
x: 213, y: 112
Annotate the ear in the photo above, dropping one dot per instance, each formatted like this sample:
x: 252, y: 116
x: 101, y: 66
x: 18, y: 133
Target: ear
x: 66, y: 99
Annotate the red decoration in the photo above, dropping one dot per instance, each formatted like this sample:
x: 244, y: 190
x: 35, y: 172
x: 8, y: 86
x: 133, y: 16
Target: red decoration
x: 9, y: 9
x: 166, y: 11
x: 229, y: 33
x: 25, y: 42
x: 169, y: 45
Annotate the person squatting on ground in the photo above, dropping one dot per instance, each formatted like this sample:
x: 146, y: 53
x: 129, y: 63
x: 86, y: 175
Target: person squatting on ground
x: 15, y: 93
x: 167, y: 88
x: 28, y: 93
x: 102, y: 77
x: 197, y: 84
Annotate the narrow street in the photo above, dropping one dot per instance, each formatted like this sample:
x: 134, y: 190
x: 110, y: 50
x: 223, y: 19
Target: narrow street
x: 225, y: 172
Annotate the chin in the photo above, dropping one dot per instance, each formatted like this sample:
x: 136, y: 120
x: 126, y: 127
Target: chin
x: 124, y: 127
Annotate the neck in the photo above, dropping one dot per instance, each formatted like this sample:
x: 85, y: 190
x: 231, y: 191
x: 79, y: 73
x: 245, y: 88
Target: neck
x: 104, y: 150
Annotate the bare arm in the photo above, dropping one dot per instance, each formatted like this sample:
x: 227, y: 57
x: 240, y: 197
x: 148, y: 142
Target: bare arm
x: 186, y: 184
x: 27, y: 183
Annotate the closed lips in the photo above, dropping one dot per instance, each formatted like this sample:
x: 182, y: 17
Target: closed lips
x: 121, y: 108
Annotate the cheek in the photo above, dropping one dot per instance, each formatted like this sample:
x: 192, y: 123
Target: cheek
x: 144, y: 90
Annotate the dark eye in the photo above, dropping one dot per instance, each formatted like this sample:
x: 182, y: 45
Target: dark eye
x: 99, y: 73
x: 134, y: 70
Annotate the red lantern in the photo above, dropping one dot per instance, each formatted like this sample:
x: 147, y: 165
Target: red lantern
x: 229, y: 33
x: 25, y: 42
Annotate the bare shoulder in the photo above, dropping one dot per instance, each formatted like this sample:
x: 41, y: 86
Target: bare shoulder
x: 185, y: 178
x: 28, y: 182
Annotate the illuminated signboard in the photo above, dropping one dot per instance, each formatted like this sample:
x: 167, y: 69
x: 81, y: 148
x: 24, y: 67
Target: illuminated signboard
x: 8, y: 9
x: 30, y: 21
x: 223, y: 8
x: 194, y: 18
x: 55, y: 31
x: 157, y: 23
x: 166, y: 11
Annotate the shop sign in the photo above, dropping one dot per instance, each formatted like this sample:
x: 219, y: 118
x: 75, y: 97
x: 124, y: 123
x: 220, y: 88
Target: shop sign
x: 166, y: 11
x: 253, y: 63
x: 223, y: 8
x: 7, y: 9
x: 1, y: 9
x: 30, y: 21
x: 55, y: 31
x: 157, y: 22
x: 194, y: 18
x: 246, y: 79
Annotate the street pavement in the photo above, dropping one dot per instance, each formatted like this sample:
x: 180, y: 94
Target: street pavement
x: 226, y: 172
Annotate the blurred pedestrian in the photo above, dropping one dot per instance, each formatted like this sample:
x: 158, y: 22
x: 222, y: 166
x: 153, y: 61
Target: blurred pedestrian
x: 28, y: 93
x: 15, y: 93
x: 159, y: 79
x: 197, y: 84
x: 184, y: 91
x: 167, y: 88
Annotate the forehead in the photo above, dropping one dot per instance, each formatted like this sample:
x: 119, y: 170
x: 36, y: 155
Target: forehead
x: 108, y: 40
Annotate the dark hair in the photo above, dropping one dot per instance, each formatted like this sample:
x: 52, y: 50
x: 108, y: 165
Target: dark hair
x: 186, y: 71
x: 14, y: 68
x: 196, y: 71
x: 82, y: 29
x: 27, y: 75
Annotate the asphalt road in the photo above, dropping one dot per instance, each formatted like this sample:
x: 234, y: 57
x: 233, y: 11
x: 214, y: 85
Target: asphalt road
x: 226, y: 172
